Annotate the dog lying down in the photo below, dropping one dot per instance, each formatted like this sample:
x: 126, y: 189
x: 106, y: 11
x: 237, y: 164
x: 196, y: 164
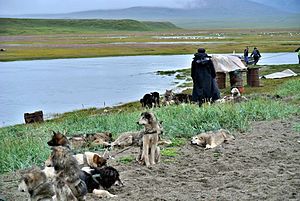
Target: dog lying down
x: 235, y: 97
x: 94, y: 139
x: 212, y: 139
x: 86, y: 159
x: 63, y: 168
x: 34, y: 181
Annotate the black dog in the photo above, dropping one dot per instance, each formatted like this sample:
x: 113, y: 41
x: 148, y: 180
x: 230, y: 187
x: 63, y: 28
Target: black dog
x: 100, y: 177
x: 182, y: 98
x: 150, y: 100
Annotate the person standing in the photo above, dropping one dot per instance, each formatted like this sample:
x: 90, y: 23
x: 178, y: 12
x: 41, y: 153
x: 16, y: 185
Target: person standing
x: 203, y: 74
x: 256, y: 55
x: 298, y: 50
x: 246, y: 53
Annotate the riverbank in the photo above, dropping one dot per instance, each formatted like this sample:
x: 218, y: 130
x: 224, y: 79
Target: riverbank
x: 129, y: 43
x: 265, y: 122
x: 24, y: 145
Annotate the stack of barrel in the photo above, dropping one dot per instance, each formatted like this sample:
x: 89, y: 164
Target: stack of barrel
x: 236, y: 79
x: 253, y: 77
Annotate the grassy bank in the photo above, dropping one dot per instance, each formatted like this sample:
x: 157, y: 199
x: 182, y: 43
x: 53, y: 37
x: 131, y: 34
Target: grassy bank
x: 10, y: 26
x: 24, y: 145
x: 27, y: 39
x: 269, y: 86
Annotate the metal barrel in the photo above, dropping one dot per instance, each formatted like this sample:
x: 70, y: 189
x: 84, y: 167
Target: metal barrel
x: 221, y: 80
x: 236, y: 80
x: 253, y: 77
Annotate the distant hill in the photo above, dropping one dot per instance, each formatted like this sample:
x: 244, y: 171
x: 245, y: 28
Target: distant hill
x: 199, y: 14
x: 9, y: 26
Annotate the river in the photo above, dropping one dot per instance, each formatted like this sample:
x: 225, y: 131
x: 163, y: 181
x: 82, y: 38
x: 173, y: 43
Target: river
x: 61, y: 85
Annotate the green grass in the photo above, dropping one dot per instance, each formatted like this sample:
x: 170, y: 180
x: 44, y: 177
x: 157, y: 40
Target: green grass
x: 25, y: 145
x: 126, y: 159
x: 169, y: 152
x: 10, y: 26
x: 297, y: 127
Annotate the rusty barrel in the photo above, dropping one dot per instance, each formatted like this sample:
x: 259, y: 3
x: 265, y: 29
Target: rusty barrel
x: 221, y: 80
x: 236, y: 80
x: 253, y: 77
x: 35, y: 117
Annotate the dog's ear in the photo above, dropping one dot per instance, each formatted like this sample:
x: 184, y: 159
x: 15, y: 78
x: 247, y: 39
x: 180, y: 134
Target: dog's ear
x: 54, y: 133
x: 109, y: 135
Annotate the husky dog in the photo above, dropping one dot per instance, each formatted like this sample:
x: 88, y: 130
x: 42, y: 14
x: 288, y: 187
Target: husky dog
x: 91, y: 140
x: 152, y: 130
x: 168, y: 98
x: 35, y: 182
x: 128, y: 139
x: 171, y: 98
x: 94, y: 139
x: 212, y: 139
x: 68, y: 184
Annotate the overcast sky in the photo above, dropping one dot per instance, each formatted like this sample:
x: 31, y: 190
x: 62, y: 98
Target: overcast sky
x: 16, y: 7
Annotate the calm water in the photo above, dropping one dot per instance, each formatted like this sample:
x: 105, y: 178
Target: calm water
x: 61, y: 85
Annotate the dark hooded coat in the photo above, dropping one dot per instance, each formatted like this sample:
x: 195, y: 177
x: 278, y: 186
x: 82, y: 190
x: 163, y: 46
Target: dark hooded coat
x: 203, y: 75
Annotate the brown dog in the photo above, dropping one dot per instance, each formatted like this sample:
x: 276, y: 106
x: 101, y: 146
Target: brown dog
x: 212, y: 139
x: 90, y: 159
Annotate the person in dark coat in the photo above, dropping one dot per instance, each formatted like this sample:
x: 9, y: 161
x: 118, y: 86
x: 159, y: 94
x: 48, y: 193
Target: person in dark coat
x: 203, y: 74
x: 256, y: 55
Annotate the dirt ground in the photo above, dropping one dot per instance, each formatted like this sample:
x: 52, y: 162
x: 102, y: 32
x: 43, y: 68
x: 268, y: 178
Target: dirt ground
x: 261, y: 164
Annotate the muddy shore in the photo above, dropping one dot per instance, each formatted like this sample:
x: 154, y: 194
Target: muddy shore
x: 261, y: 164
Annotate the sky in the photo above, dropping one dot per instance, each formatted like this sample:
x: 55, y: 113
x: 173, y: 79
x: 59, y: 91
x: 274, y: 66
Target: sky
x: 17, y: 7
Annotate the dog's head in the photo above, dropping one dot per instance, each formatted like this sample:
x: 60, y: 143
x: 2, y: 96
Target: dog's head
x: 199, y: 140
x: 169, y: 95
x: 59, y: 139
x: 146, y: 118
x: 31, y: 179
x: 99, y: 161
x: 235, y: 92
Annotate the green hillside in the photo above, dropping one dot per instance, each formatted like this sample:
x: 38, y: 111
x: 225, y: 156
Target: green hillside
x: 13, y: 26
